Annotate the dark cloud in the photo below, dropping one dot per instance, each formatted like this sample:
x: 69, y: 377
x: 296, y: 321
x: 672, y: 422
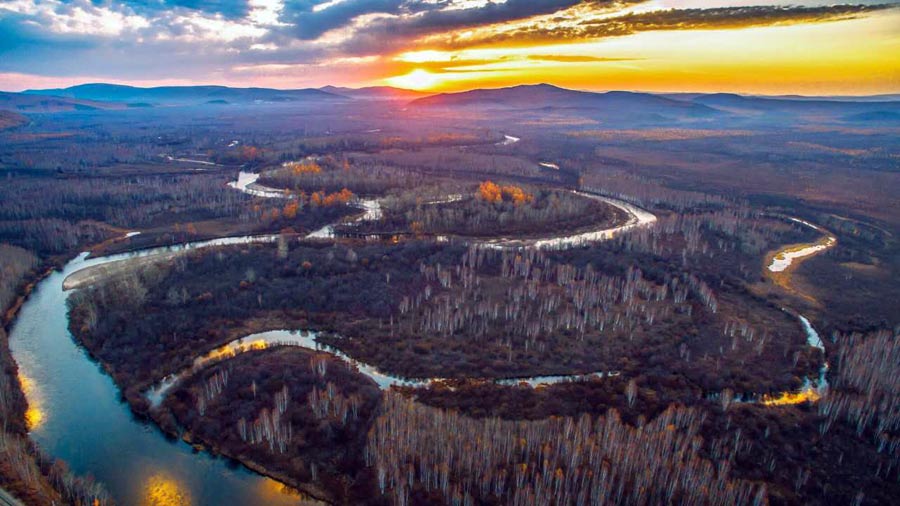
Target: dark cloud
x: 393, y: 33
x: 307, y: 24
x: 28, y: 43
x: 25, y: 43
x: 411, y: 18
x: 682, y: 19
x: 734, y: 17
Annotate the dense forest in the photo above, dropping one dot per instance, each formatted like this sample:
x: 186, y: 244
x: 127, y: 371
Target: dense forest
x: 691, y: 378
x: 303, y: 414
x: 490, y: 210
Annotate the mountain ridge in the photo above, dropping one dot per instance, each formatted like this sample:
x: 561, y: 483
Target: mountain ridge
x: 642, y: 105
x: 180, y: 95
x: 543, y: 96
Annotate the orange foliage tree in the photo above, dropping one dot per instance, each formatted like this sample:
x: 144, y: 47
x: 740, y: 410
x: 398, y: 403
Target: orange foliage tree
x: 249, y: 153
x: 517, y: 195
x: 490, y: 192
x: 320, y: 198
x: 298, y: 168
x: 290, y: 209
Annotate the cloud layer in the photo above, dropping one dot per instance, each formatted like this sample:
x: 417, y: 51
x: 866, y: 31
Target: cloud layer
x: 231, y: 40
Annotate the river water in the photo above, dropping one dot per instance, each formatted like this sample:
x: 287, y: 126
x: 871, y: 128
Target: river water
x: 308, y: 340
x: 786, y: 256
x: 77, y: 415
x: 76, y: 412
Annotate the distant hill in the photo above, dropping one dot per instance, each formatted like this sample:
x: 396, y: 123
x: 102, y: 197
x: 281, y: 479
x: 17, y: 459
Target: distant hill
x: 890, y: 97
x: 184, y: 95
x: 614, y: 105
x: 375, y: 93
x: 796, y: 98
x: 874, y: 116
x: 547, y: 96
x: 31, y: 103
x: 733, y: 102
x: 9, y: 119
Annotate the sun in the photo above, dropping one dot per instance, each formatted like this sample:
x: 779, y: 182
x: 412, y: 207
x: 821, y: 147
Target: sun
x: 416, y: 80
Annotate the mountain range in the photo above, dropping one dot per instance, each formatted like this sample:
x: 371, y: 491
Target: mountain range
x: 183, y: 95
x: 634, y: 105
x: 545, y: 96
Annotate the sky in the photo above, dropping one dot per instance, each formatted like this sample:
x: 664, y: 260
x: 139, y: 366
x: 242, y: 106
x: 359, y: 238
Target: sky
x: 798, y: 47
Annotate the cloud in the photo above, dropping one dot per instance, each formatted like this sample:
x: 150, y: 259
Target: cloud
x: 231, y: 9
x: 563, y: 58
x: 393, y: 32
x: 308, y: 22
x: 208, y: 38
x: 671, y: 19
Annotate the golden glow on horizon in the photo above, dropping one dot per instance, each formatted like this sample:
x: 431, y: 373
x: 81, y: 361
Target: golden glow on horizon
x: 855, y: 56
x: 416, y: 80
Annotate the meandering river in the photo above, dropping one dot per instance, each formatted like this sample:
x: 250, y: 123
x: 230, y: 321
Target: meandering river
x: 77, y: 413
x: 308, y: 340
x: 785, y: 257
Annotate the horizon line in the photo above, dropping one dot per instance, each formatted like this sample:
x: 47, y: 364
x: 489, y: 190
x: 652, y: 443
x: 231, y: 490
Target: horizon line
x: 428, y: 92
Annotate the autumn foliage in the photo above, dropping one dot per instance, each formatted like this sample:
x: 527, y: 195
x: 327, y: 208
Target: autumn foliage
x: 315, y: 199
x: 494, y: 193
x: 322, y: 199
x: 249, y: 153
x: 490, y: 192
x: 517, y: 195
x: 305, y: 167
x: 290, y: 209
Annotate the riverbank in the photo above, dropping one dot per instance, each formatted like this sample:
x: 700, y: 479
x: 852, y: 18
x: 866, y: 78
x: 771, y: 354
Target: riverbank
x: 328, y: 404
x: 127, y: 453
x: 306, y: 492
x: 781, y: 264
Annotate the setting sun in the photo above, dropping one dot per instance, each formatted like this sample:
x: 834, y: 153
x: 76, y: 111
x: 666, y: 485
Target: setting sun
x: 416, y: 80
x: 505, y: 252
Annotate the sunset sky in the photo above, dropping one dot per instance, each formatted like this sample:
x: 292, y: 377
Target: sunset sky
x: 796, y: 47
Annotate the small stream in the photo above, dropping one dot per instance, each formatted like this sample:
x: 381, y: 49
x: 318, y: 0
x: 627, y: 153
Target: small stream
x: 308, y: 340
x: 786, y: 256
x: 246, y: 182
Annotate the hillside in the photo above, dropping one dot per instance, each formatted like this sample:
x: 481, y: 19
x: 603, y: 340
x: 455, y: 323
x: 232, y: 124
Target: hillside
x: 184, y: 95
x: 547, y: 96
x: 736, y: 102
x: 375, y: 93
x: 9, y: 119
x: 37, y: 103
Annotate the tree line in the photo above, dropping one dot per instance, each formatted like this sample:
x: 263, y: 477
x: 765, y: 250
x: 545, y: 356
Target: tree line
x: 418, y: 452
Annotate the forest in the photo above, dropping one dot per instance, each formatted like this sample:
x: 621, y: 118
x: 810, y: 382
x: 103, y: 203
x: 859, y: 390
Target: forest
x: 688, y: 376
x: 488, y: 211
